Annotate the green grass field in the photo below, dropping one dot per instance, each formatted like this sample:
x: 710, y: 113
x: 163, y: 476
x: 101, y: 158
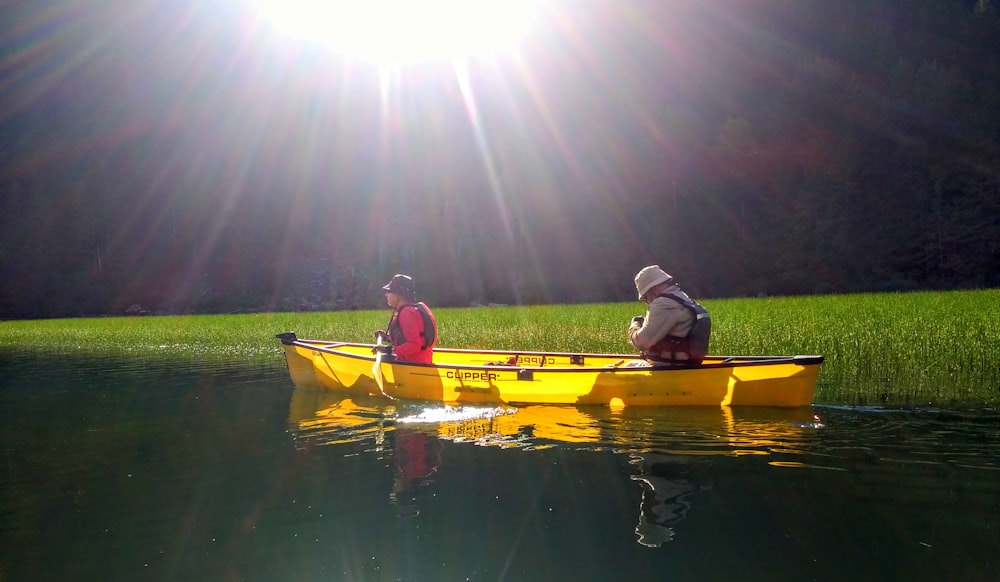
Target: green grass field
x: 912, y: 349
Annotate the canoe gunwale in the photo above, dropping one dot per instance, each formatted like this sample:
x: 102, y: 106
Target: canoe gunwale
x: 330, y: 347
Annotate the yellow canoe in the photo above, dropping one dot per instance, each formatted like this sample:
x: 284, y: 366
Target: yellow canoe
x: 521, y: 378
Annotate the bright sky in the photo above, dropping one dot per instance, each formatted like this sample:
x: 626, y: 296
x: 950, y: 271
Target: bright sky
x: 245, y: 100
x: 390, y: 32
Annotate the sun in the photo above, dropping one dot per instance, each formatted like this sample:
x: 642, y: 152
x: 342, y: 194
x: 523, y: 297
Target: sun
x: 399, y: 31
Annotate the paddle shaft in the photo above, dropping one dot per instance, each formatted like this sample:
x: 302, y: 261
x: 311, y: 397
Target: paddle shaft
x: 377, y: 368
x: 377, y: 371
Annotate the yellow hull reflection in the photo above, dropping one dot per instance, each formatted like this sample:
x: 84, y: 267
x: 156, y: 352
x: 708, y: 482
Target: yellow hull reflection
x: 328, y: 417
x: 667, y: 448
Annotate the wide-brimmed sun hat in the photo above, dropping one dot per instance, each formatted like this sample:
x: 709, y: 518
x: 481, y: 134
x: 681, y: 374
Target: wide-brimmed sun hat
x: 649, y: 277
x: 401, y: 285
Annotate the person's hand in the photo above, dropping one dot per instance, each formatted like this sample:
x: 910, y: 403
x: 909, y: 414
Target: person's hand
x: 386, y: 350
x: 381, y: 336
x: 637, y: 321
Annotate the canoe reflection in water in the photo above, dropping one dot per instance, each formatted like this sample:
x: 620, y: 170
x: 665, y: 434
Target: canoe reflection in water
x: 668, y: 484
x: 669, y: 451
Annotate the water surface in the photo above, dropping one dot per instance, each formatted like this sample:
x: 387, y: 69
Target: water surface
x: 118, y: 470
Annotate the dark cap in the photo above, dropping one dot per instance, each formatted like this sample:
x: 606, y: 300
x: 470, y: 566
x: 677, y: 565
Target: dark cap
x: 401, y: 285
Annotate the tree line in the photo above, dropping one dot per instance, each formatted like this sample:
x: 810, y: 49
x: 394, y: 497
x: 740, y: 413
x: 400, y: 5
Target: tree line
x: 767, y: 147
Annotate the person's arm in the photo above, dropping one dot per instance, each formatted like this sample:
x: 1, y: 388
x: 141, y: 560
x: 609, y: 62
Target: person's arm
x: 412, y: 325
x: 662, y: 316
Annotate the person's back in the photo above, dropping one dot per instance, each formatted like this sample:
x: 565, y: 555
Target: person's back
x: 675, y: 329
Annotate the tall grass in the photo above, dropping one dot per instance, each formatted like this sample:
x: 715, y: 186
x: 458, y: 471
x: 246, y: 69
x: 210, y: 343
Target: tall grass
x: 930, y: 348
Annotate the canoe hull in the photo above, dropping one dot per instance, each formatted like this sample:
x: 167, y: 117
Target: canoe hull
x: 482, y: 376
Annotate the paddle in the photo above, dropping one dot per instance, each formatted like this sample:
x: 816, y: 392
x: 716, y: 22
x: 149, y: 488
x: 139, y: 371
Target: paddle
x: 377, y: 367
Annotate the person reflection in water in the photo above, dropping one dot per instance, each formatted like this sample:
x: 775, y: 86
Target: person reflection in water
x: 668, y: 483
x: 417, y: 456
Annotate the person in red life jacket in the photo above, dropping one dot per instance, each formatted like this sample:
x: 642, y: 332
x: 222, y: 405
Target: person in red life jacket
x: 675, y: 329
x: 412, y: 330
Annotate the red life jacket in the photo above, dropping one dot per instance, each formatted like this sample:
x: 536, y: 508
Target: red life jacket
x: 429, y: 333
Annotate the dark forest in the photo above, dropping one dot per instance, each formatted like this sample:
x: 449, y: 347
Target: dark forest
x: 163, y: 156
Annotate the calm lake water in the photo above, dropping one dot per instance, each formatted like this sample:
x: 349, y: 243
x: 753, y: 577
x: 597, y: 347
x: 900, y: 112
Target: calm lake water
x: 140, y: 470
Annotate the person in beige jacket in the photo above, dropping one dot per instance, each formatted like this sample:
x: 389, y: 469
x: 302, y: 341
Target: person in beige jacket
x: 675, y: 328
